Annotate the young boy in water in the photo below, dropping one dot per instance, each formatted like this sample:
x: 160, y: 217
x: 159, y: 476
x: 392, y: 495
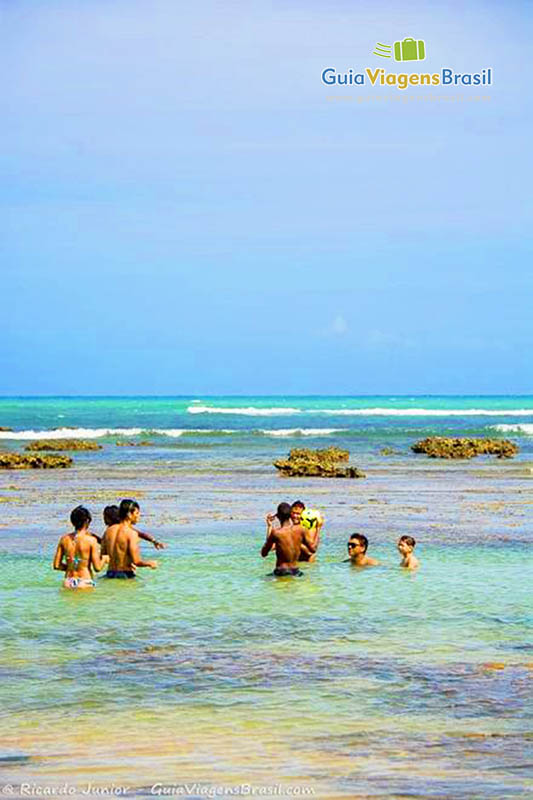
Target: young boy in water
x: 406, y: 545
x: 357, y: 547
x: 287, y: 540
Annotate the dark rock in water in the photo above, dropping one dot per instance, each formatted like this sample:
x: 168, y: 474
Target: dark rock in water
x: 135, y: 444
x: 63, y: 444
x: 389, y: 451
x: 19, y: 461
x: 443, y: 447
x: 15, y: 759
x: 318, y: 463
x: 5, y: 430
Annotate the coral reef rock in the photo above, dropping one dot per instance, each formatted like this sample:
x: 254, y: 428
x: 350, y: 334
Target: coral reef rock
x: 135, y: 444
x: 318, y: 463
x: 20, y: 461
x: 63, y: 444
x: 443, y: 447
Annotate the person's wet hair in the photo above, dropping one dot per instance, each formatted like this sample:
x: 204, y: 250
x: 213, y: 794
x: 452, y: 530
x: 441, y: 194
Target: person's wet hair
x: 297, y: 504
x: 283, y: 512
x: 408, y: 540
x: 361, y: 538
x: 111, y: 515
x: 126, y: 507
x: 80, y: 518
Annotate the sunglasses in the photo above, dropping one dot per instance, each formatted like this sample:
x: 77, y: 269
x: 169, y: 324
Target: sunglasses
x: 351, y: 545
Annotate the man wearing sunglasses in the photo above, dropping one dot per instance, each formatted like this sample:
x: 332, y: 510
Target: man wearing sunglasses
x: 357, y: 547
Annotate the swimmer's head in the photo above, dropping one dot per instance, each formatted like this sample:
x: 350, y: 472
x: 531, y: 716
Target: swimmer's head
x: 284, y: 512
x: 406, y: 545
x: 80, y: 518
x: 296, y: 511
x: 358, y: 543
x: 129, y: 509
x: 111, y: 515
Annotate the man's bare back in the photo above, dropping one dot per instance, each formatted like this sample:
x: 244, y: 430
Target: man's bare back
x: 287, y: 541
x: 121, y: 544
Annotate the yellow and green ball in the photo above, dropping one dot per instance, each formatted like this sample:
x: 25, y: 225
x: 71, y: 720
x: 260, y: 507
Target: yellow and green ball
x: 310, y: 518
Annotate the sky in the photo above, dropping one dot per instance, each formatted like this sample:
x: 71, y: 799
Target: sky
x: 185, y: 208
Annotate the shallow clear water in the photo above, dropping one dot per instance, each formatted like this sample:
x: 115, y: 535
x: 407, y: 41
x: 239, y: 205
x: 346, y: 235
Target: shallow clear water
x: 374, y: 683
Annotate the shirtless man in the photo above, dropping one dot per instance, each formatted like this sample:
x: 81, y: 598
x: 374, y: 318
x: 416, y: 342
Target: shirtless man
x: 78, y: 553
x: 121, y: 543
x: 112, y: 517
x: 313, y: 534
x: 287, y: 539
x: 357, y: 547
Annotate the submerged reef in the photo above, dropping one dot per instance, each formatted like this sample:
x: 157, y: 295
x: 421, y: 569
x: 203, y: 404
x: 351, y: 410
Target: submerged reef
x: 63, y: 444
x: 318, y: 463
x: 444, y: 447
x: 20, y: 461
x: 143, y: 443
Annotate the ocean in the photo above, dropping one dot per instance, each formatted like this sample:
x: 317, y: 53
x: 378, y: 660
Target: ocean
x: 209, y: 676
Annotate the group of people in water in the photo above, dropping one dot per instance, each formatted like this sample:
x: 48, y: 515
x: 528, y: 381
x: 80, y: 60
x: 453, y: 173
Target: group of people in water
x: 81, y: 553
x: 294, y: 543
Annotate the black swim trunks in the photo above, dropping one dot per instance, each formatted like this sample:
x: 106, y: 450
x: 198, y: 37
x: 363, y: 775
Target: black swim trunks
x: 119, y: 573
x: 283, y: 572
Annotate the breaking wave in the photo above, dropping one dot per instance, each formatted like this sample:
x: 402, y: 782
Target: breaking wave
x: 253, y: 411
x: 524, y: 427
x: 248, y: 411
x: 99, y: 433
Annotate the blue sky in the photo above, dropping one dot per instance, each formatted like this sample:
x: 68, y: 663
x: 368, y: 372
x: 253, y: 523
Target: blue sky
x: 183, y: 209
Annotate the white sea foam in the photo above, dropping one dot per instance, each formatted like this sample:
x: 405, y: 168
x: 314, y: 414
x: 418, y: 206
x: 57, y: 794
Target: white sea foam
x: 98, y: 433
x: 523, y: 428
x: 249, y: 411
x: 85, y: 433
x: 174, y: 433
x: 426, y: 412
x: 70, y: 433
x: 253, y: 411
x: 302, y: 432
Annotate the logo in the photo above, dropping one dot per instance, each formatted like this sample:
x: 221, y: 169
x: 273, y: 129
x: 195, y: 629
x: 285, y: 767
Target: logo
x: 406, y: 50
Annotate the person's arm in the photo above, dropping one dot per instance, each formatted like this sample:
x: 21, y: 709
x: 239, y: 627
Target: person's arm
x: 269, y: 544
x: 308, y: 542
x: 58, y: 558
x: 149, y: 538
x: 133, y: 547
x: 313, y: 536
x: 269, y: 519
x: 96, y: 559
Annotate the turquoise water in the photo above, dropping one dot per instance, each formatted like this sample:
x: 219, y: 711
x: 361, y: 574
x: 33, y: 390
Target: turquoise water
x: 374, y: 683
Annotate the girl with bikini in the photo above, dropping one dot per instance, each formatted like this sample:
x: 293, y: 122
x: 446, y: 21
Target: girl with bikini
x: 78, y: 553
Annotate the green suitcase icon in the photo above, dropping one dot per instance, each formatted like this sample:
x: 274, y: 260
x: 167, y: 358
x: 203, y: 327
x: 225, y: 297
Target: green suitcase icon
x: 410, y: 50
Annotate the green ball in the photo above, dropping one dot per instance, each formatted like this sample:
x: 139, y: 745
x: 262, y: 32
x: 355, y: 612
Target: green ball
x: 311, y: 517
